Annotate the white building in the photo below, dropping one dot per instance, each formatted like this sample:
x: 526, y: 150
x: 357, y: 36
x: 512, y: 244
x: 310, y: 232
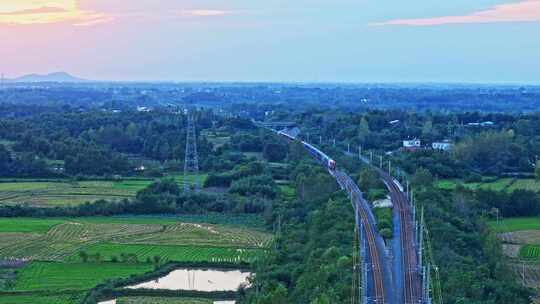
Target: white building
x: 412, y: 143
x: 442, y: 145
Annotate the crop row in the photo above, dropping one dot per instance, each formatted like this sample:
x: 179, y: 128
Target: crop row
x: 111, y: 252
x: 67, y: 239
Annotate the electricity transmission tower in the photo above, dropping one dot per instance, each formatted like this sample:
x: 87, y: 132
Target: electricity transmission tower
x: 191, y: 162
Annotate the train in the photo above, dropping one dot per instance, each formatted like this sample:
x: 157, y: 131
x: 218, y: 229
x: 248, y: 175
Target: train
x: 328, y: 162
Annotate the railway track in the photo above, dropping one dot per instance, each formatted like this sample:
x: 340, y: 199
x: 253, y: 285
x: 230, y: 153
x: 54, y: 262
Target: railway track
x: 412, y: 289
x: 376, y: 258
x: 382, y: 289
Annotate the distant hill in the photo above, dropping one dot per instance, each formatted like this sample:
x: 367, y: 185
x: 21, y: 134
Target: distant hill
x: 52, y: 77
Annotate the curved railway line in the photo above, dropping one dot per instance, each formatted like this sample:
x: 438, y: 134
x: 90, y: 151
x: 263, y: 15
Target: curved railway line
x: 380, y: 287
x: 375, y: 257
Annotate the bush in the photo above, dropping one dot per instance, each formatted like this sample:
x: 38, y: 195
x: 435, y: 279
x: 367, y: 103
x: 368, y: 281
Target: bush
x: 386, y: 233
x: 473, y: 178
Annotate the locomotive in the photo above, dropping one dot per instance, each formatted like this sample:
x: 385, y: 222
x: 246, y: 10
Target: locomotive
x: 329, y: 163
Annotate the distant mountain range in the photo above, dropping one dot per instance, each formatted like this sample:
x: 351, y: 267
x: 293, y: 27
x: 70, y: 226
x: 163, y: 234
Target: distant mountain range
x: 52, y: 77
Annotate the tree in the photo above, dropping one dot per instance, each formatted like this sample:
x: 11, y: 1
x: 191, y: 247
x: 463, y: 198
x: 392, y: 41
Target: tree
x: 274, y: 152
x: 369, y: 179
x: 157, y: 260
x: 5, y: 159
x: 84, y: 256
x: 363, y: 129
x: 422, y: 178
x: 276, y: 295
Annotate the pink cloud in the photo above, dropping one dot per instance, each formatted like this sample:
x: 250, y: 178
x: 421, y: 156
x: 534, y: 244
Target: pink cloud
x: 524, y: 11
x: 206, y: 12
x: 41, y: 10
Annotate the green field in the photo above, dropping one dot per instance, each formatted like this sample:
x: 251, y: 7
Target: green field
x: 242, y: 220
x: 170, y: 253
x: 256, y: 155
x: 163, y: 300
x: 28, y: 224
x: 27, y: 238
x: 199, y: 179
x: 530, y: 252
x: 65, y: 192
x: 516, y: 224
x: 117, y: 247
x: 40, y: 299
x: 73, y: 276
x: 217, y: 138
x: 502, y: 184
x: 288, y: 192
x: 526, y: 184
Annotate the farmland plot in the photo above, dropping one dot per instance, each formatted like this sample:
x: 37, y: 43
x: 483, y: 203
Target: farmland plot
x: 143, y: 252
x: 64, y: 193
x: 530, y: 252
x: 156, y: 300
x: 528, y: 273
x: 72, y: 276
x: 175, y: 241
x: 40, y: 299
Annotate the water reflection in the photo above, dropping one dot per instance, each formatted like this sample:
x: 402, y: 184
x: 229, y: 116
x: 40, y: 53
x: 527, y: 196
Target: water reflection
x: 199, y: 279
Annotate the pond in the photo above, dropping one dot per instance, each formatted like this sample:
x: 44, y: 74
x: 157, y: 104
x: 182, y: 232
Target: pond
x: 215, y: 302
x: 198, y: 279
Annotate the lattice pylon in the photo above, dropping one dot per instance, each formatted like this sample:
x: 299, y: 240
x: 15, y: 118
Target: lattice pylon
x: 191, y: 162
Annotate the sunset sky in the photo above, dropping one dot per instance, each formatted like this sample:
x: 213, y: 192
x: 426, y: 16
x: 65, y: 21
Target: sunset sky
x: 274, y: 40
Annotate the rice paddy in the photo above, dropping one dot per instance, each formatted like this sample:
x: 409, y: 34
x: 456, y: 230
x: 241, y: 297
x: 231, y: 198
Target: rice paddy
x: 62, y: 192
x: 64, y: 239
x: 62, y: 258
x: 516, y: 224
x: 73, y: 276
x: 530, y: 252
x: 41, y: 299
x: 502, y: 184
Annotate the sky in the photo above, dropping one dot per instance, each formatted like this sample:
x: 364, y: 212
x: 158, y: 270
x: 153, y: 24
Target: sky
x: 481, y: 41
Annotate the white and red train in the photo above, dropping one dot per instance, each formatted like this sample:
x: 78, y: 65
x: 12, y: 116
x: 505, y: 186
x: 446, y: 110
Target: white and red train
x: 328, y: 162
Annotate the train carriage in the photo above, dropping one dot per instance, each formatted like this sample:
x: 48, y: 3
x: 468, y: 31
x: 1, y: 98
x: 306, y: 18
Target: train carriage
x: 329, y: 163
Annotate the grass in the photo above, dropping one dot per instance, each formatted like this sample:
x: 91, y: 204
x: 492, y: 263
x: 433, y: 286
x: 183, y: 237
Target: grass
x: 530, y: 252
x: 256, y: 155
x: 28, y: 224
x: 28, y: 238
x: 526, y: 184
x: 170, y: 253
x: 216, y: 138
x: 163, y: 300
x: 242, y: 220
x: 40, y: 299
x: 72, y: 276
x: 191, y: 179
x: 516, y: 224
x: 502, y: 184
x: 53, y: 246
x: 7, y: 143
x: 288, y: 192
x: 63, y: 192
